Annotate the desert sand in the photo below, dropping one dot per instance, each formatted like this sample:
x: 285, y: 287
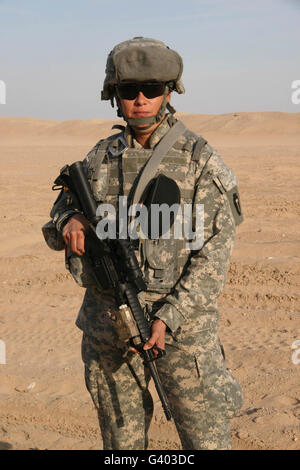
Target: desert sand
x: 43, y: 400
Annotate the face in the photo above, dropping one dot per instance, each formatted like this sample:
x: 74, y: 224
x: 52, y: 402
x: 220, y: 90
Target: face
x: 141, y: 106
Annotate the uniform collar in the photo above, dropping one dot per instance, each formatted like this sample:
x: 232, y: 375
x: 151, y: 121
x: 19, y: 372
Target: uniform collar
x: 156, y: 136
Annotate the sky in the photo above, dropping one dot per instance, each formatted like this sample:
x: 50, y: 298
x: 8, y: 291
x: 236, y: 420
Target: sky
x: 238, y: 55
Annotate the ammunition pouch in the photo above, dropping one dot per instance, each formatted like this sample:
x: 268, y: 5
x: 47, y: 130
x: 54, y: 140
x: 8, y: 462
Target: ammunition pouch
x: 162, y: 267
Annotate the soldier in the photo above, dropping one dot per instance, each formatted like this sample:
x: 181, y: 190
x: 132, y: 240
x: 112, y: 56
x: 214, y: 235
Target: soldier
x: 182, y: 285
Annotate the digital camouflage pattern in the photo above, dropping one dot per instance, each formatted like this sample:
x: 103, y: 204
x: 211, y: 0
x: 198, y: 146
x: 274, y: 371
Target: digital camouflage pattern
x: 52, y: 237
x: 202, y: 393
x: 116, y: 379
x: 142, y: 59
x: 182, y: 290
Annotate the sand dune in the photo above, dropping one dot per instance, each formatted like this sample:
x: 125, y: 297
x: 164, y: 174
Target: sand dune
x: 44, y: 403
x: 233, y: 124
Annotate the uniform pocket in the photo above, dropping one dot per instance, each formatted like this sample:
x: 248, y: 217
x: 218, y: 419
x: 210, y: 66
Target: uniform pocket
x: 221, y: 390
x: 99, y: 175
x: 91, y: 368
x: 161, y: 269
x: 160, y: 253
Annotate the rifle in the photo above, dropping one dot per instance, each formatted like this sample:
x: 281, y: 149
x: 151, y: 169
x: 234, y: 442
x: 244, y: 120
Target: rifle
x: 115, y: 266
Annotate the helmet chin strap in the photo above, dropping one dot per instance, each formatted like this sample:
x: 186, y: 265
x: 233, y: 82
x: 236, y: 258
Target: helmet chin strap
x: 148, y: 121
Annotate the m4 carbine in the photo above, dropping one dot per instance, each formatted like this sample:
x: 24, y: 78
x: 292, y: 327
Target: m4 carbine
x: 115, y: 266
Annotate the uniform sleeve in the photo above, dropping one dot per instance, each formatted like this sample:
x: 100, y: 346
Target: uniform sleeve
x: 64, y: 207
x: 67, y: 203
x: 204, y: 276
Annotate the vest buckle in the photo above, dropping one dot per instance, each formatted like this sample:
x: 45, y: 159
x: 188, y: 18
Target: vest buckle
x: 118, y: 146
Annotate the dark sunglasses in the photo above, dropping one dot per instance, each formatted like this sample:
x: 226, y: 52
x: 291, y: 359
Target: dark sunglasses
x: 129, y: 91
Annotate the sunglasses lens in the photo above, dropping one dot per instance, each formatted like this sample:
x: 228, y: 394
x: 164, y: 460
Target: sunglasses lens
x: 129, y: 91
x: 152, y: 90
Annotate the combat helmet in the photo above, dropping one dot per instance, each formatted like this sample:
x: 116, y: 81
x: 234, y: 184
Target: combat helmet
x: 142, y: 60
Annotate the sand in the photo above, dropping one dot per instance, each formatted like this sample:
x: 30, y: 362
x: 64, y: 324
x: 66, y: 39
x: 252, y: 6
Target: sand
x: 43, y: 400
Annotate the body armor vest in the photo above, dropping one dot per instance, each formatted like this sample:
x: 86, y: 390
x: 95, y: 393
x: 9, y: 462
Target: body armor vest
x: 116, y: 173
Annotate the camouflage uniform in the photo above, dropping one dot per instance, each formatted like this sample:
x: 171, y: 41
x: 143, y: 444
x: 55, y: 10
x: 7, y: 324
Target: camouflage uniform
x: 182, y: 291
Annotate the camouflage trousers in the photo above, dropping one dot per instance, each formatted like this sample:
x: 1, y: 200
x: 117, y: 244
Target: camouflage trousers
x: 203, y: 394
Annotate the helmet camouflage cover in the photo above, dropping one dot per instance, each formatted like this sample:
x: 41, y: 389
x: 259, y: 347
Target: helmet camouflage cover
x: 142, y: 60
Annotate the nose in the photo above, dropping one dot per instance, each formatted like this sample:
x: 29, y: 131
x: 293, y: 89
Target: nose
x: 140, y: 99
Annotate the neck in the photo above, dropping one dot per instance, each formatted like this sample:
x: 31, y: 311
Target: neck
x: 143, y: 135
x: 143, y: 139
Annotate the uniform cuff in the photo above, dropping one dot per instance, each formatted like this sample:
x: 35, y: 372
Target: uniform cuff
x: 170, y: 316
x: 63, y: 218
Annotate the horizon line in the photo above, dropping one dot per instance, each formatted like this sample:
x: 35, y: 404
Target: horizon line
x: 179, y: 113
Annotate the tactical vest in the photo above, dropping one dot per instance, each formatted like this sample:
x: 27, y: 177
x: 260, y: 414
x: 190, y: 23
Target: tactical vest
x: 112, y: 173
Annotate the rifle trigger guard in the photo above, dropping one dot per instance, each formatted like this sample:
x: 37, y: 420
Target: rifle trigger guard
x: 161, y: 353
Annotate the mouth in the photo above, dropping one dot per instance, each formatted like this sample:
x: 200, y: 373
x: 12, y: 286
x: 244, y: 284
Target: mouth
x: 141, y: 114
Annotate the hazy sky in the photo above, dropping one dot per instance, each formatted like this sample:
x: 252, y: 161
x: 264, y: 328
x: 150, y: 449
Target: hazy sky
x: 238, y: 55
